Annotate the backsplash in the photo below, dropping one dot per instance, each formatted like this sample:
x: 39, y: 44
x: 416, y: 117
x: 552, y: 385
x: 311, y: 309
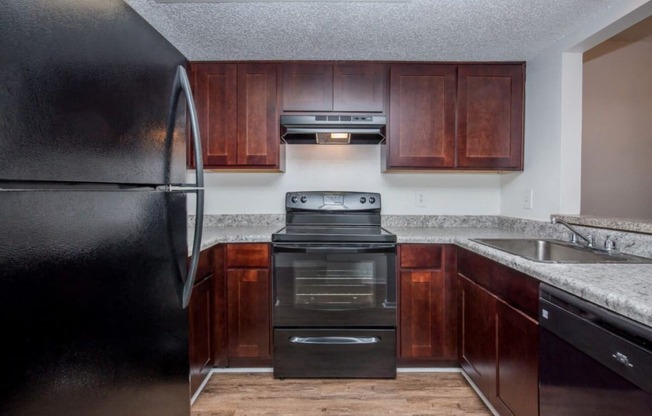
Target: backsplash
x: 241, y: 220
x: 448, y: 221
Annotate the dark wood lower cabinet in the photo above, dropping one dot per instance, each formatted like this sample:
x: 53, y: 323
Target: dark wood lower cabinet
x: 499, y: 334
x: 427, y: 313
x: 517, y: 354
x: 477, y: 345
x: 248, y: 313
x: 200, y: 317
x: 248, y: 305
x: 483, y: 317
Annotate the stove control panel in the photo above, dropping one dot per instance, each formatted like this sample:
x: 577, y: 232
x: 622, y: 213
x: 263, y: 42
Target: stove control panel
x: 332, y: 201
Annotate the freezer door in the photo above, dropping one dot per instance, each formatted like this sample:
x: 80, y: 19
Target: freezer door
x: 90, y: 304
x: 84, y: 95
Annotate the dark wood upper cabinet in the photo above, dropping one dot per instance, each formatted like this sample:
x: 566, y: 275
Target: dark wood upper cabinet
x: 258, y: 127
x: 359, y: 87
x: 237, y: 108
x: 421, y: 116
x: 490, y: 117
x: 325, y: 87
x: 214, y: 90
x: 307, y: 87
x: 460, y: 117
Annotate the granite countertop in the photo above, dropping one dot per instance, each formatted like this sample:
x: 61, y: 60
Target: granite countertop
x: 212, y: 235
x: 623, y: 288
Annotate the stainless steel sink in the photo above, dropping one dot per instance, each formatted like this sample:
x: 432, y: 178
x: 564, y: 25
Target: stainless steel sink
x: 557, y: 251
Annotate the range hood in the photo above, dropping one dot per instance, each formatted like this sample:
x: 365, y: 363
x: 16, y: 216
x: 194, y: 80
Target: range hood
x: 333, y: 129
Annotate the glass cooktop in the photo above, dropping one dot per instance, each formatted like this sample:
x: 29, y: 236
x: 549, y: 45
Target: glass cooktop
x: 318, y: 234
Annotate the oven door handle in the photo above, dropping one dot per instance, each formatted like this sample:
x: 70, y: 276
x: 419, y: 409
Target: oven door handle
x: 335, y: 340
x: 325, y: 249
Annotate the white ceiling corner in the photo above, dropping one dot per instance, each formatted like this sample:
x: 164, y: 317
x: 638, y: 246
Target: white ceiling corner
x: 418, y: 30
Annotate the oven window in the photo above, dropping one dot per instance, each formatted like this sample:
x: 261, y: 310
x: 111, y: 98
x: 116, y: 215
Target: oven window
x: 333, y: 285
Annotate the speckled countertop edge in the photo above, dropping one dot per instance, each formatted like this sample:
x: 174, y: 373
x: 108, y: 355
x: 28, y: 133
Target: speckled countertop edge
x: 624, y: 289
x: 622, y: 224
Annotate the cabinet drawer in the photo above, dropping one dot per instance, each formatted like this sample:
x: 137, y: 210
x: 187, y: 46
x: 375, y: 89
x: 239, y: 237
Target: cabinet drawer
x: 515, y: 288
x: 420, y: 256
x: 247, y: 255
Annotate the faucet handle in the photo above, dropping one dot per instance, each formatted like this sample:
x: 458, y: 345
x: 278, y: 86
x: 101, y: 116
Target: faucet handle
x: 609, y: 244
x: 572, y: 238
x: 591, y: 240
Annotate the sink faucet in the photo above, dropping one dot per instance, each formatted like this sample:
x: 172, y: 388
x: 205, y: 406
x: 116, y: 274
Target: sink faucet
x: 588, y: 239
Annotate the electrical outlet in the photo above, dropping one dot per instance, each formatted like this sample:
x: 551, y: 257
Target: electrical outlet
x: 420, y: 199
x: 528, y: 199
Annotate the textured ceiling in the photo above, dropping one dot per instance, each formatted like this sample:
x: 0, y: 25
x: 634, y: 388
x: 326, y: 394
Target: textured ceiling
x: 422, y: 30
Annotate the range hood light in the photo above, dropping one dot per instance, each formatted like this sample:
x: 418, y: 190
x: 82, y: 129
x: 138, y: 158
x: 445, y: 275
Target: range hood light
x: 333, y: 138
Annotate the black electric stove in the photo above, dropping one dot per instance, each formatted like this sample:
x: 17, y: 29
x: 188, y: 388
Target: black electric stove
x: 333, y: 217
x: 334, y: 273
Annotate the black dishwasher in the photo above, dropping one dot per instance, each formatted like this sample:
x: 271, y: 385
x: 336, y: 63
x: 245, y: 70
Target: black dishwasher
x: 593, y: 362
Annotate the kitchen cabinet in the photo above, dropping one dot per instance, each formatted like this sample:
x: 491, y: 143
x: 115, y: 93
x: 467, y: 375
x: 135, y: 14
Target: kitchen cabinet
x: 477, y: 335
x: 201, y: 320
x: 421, y: 117
x: 498, y: 335
x: 427, y: 305
x: 248, y: 305
x: 455, y: 117
x: 342, y: 87
x: 490, y: 117
x: 237, y: 109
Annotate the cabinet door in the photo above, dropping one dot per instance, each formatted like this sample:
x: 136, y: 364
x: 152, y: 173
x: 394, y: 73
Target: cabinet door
x: 258, y: 128
x: 248, y: 310
x: 427, y: 305
x: 490, y: 116
x: 359, y: 87
x: 200, y: 315
x: 422, y: 116
x: 478, y: 335
x: 422, y: 314
x: 214, y: 90
x: 517, y: 390
x: 307, y: 87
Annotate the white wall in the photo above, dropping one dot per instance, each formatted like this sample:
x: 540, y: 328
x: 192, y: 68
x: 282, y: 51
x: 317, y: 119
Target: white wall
x: 552, y: 151
x: 553, y: 114
x: 617, y: 138
x: 351, y: 168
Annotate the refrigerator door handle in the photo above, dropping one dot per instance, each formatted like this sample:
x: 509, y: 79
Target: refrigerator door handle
x: 182, y: 84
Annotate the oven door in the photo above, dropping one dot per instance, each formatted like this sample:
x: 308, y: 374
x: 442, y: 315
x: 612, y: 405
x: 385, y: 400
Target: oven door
x: 334, y: 285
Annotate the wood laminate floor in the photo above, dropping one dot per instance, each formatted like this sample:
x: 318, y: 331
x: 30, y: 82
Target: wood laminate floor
x: 411, y: 394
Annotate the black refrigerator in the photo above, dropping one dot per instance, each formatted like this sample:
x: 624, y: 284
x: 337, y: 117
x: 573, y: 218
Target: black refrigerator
x: 93, y: 237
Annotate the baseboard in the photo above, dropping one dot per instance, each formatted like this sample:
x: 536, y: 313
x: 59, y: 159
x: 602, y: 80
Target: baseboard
x: 479, y: 393
x: 428, y: 370
x: 243, y: 370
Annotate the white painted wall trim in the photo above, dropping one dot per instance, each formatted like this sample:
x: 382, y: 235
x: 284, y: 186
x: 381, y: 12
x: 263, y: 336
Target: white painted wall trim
x: 571, y: 133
